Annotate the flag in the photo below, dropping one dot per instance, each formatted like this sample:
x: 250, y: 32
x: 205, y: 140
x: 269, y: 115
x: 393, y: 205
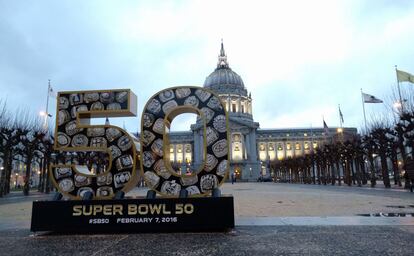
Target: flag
x: 368, y: 98
x: 340, y: 115
x: 404, y: 76
x: 325, y: 128
x: 52, y: 93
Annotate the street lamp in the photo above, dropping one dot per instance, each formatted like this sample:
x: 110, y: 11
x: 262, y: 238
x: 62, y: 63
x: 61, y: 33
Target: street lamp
x: 397, y: 105
x: 43, y: 113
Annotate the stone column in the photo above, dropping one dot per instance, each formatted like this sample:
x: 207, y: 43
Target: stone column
x: 175, y: 153
x: 244, y: 146
x: 196, y: 152
x: 253, y: 146
x: 267, y: 150
x: 229, y: 103
x: 249, y: 148
x: 183, y: 163
x: 200, y: 147
x: 239, y: 104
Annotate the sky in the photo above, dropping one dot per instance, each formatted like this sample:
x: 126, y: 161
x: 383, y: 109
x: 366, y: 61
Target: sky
x: 299, y: 59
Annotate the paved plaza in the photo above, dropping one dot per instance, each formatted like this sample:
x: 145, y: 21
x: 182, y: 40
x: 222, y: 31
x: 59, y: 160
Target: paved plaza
x: 271, y: 219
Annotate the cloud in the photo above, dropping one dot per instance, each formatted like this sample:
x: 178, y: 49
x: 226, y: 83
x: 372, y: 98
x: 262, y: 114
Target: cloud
x: 300, y: 59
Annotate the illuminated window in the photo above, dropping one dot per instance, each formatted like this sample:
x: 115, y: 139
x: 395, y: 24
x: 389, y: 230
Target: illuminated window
x: 297, y: 146
x: 288, y: 146
x: 279, y: 146
x: 315, y: 145
x: 306, y: 146
x: 262, y: 147
x: 236, y: 148
x: 171, y: 149
x: 236, y: 137
x: 271, y: 147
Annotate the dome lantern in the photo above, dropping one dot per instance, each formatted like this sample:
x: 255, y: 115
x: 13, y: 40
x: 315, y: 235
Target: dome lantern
x: 223, y: 80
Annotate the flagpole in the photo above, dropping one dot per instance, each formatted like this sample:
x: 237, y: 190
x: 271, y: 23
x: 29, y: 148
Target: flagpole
x: 399, y: 90
x: 363, y: 108
x: 340, y: 118
x: 47, y: 106
x: 341, y: 132
x: 324, y: 132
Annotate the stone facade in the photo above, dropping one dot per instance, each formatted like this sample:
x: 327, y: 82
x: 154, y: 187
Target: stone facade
x: 251, y: 148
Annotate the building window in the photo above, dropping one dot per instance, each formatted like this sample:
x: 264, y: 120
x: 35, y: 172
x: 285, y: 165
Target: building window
x: 242, y: 108
x: 279, y: 146
x: 262, y: 147
x: 305, y: 134
x: 288, y: 146
x: 271, y: 148
x: 172, y: 149
x: 306, y: 146
x: 297, y: 146
x: 315, y: 145
x: 233, y: 107
x: 236, y: 137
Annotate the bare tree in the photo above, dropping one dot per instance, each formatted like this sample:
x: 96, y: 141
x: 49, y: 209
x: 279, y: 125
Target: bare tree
x: 9, y: 137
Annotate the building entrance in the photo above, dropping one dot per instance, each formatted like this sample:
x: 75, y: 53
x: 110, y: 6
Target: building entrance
x: 237, y: 172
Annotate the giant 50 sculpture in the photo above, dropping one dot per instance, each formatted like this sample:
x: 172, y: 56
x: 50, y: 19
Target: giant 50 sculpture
x: 75, y: 133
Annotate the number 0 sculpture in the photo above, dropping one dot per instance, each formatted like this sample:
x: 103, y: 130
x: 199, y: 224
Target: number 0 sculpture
x: 157, y: 116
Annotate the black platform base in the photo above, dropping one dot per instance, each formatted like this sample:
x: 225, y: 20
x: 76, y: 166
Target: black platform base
x: 134, y: 215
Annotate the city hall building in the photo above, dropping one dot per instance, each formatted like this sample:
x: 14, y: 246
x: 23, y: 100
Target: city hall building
x: 251, y: 148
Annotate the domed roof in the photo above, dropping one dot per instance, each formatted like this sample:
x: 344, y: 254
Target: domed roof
x: 223, y: 80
